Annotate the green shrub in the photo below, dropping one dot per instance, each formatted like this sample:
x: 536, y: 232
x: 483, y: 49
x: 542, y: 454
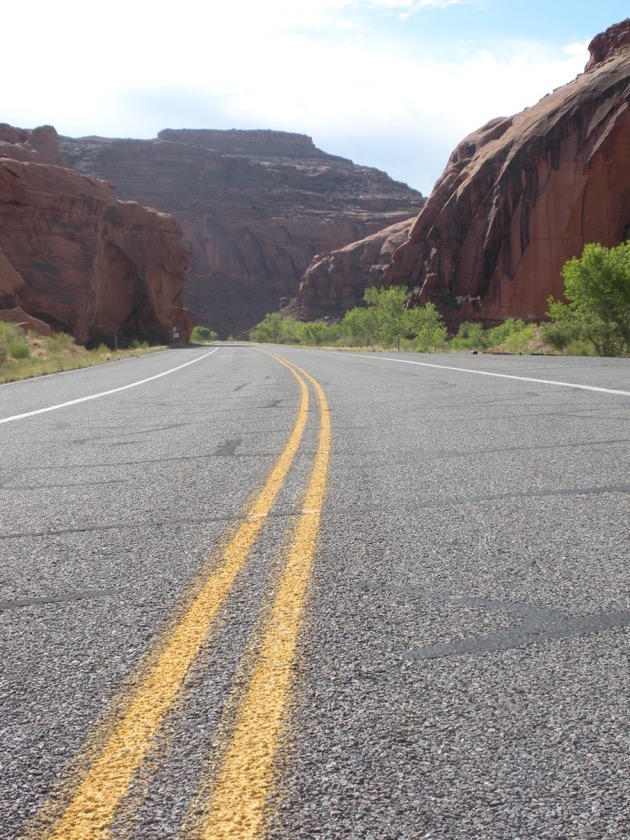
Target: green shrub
x: 278, y: 329
x: 12, y: 342
x: 579, y: 347
x: 316, y: 332
x: 200, y: 334
x: 18, y: 349
x: 59, y: 342
x: 512, y: 336
x: 560, y: 334
x: 521, y: 340
x: 470, y: 336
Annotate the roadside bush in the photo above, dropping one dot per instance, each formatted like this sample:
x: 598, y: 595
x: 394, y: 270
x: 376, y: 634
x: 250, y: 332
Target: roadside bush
x: 276, y: 329
x: 521, y: 340
x: 59, y: 342
x: 12, y: 342
x: 561, y: 334
x: 512, y: 336
x: 317, y: 333
x: 579, y: 347
x: 470, y: 336
x: 19, y: 349
x: 200, y: 334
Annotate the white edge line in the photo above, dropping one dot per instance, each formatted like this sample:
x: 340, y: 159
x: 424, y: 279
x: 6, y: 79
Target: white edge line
x: 105, y: 393
x: 500, y: 375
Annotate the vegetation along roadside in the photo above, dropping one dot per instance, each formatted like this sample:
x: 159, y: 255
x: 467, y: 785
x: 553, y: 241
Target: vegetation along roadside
x: 593, y: 320
x: 23, y: 356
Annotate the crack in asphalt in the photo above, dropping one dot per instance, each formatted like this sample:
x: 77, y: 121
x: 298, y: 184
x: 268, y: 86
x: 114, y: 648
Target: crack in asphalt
x: 163, y: 523
x: 538, y: 624
x: 57, y: 599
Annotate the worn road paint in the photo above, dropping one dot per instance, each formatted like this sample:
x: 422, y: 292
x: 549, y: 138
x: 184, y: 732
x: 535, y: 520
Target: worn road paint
x: 247, y: 775
x: 555, y: 382
x: 104, y: 393
x: 93, y: 804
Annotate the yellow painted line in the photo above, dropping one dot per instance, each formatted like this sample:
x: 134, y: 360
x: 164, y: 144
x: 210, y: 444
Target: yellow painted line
x: 246, y: 780
x: 93, y: 804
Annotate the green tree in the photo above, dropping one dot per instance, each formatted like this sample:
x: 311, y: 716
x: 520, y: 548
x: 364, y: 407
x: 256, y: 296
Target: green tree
x: 597, y: 291
x: 428, y: 326
x: 391, y: 316
x: 360, y: 326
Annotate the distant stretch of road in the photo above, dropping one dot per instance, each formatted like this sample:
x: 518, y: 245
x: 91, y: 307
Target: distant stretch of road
x: 254, y: 591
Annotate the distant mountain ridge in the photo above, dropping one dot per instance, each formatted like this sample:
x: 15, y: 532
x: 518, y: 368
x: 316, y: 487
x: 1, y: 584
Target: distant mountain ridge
x: 255, y: 207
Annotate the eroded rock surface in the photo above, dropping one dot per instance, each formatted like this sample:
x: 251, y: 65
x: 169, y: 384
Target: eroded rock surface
x: 335, y: 282
x: 522, y: 195
x: 255, y: 208
x: 75, y: 257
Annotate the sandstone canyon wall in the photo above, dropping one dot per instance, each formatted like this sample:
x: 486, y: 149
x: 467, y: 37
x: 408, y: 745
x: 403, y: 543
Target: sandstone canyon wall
x: 523, y: 194
x: 255, y: 208
x: 336, y: 282
x: 77, y: 258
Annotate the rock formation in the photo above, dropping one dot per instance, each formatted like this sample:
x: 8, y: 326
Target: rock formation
x: 335, y: 282
x: 38, y: 145
x: 524, y: 194
x: 78, y: 259
x: 255, y: 207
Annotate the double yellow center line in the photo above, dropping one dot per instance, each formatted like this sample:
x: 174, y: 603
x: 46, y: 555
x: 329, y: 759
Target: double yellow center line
x: 246, y: 775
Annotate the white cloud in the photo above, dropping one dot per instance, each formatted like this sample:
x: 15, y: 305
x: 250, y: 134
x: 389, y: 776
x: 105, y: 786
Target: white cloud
x: 323, y: 67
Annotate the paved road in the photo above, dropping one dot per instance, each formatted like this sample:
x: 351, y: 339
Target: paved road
x: 219, y: 620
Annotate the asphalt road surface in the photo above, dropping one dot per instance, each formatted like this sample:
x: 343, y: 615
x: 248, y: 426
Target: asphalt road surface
x: 252, y: 592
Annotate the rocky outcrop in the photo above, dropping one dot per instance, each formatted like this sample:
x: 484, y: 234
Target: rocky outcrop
x: 29, y: 324
x: 76, y: 258
x: 524, y: 194
x: 335, y: 282
x: 255, y: 207
x: 38, y: 145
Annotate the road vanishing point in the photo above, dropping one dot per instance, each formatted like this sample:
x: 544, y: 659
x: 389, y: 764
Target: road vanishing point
x: 269, y: 592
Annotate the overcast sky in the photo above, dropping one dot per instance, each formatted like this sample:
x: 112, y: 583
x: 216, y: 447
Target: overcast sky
x: 394, y: 84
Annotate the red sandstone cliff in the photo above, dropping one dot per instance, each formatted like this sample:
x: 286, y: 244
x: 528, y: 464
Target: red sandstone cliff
x: 524, y: 194
x: 335, y: 282
x: 78, y: 259
x: 255, y: 208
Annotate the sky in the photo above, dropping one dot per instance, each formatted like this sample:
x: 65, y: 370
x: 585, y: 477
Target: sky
x: 393, y: 84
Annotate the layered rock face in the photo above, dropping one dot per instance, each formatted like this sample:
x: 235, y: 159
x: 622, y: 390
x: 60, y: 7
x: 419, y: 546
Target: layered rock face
x: 38, y: 145
x: 78, y: 259
x: 522, y: 195
x: 255, y: 208
x: 335, y: 282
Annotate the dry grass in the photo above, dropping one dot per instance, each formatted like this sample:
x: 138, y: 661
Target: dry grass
x: 59, y: 353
